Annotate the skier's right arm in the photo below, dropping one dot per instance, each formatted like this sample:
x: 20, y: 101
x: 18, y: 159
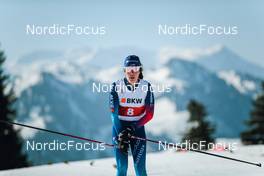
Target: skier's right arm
x: 114, y: 105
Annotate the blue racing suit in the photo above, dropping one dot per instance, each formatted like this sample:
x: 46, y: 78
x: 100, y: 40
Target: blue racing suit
x: 131, y: 108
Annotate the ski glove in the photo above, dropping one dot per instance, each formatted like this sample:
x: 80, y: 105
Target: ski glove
x: 124, y: 139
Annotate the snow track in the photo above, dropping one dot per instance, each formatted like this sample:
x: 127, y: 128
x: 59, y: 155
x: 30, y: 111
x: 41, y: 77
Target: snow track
x: 167, y: 163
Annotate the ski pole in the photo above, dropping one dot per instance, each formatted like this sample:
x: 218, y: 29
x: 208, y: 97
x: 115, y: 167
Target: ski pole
x: 133, y: 137
x: 56, y: 132
x: 194, y: 150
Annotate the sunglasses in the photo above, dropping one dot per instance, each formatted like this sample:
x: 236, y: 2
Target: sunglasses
x: 132, y: 68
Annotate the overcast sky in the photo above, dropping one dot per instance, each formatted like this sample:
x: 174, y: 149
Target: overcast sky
x: 132, y: 23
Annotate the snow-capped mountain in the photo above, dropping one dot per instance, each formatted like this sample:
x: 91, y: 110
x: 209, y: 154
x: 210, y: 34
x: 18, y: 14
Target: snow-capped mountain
x: 222, y: 100
x: 70, y: 108
x: 57, y: 94
x: 225, y: 59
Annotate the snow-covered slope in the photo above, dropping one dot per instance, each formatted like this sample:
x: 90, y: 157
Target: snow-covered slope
x: 167, y: 163
x: 244, y: 83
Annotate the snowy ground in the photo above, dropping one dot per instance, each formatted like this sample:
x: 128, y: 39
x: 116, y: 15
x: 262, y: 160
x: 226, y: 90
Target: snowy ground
x: 163, y: 163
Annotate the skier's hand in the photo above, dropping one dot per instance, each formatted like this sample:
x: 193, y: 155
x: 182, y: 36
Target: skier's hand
x: 124, y: 136
x: 124, y: 139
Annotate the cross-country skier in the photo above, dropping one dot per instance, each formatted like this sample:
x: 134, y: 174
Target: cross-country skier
x: 132, y: 106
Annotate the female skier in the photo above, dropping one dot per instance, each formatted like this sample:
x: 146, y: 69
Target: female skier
x: 132, y: 106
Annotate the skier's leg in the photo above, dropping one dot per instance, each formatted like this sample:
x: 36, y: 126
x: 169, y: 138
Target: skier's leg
x: 121, y: 158
x: 138, y: 148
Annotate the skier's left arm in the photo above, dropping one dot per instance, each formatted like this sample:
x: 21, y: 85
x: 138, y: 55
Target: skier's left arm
x: 149, y: 108
x: 114, y: 105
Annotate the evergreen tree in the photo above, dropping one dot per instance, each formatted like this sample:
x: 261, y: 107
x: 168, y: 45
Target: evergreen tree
x: 255, y: 132
x: 11, y: 155
x: 201, y: 129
